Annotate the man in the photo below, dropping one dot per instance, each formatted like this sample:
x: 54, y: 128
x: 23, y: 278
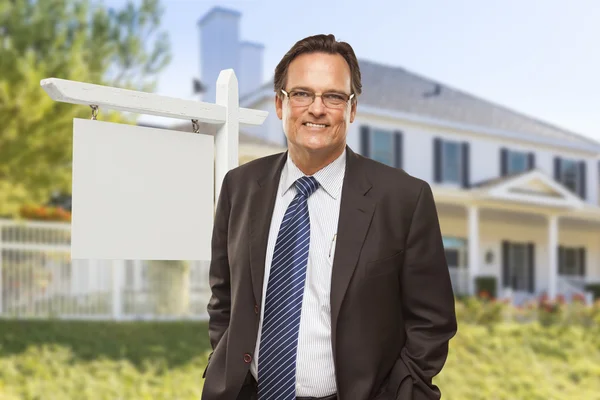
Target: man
x: 328, y: 272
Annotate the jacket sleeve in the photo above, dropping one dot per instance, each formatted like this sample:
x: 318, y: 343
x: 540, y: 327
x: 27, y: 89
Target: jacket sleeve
x: 219, y: 305
x: 428, y: 304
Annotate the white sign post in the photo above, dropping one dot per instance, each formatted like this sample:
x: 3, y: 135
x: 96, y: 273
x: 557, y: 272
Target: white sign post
x: 145, y: 193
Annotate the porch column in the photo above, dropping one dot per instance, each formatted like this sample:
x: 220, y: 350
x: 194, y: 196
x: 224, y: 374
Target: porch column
x: 473, y: 247
x: 552, y: 255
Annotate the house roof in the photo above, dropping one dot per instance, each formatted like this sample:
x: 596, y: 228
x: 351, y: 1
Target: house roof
x: 397, y: 89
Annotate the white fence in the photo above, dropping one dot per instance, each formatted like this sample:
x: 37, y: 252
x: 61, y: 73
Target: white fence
x: 38, y: 280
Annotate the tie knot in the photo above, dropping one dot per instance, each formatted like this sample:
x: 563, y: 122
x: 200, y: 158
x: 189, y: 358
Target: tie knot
x: 306, y: 185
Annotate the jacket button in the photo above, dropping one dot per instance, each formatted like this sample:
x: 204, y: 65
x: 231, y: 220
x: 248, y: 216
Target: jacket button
x: 247, y: 358
x: 256, y: 309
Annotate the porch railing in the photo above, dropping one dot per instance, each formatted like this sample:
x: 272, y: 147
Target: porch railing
x: 571, y: 286
x: 460, y: 280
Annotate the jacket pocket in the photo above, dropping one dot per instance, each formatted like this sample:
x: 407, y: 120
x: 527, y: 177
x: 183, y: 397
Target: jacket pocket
x: 384, y: 266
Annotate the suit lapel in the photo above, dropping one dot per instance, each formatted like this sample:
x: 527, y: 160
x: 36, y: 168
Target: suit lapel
x: 262, y: 202
x: 356, y: 212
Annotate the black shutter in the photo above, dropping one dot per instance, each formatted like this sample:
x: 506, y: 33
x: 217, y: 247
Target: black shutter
x: 582, y: 260
x: 531, y: 254
x: 557, y: 169
x: 505, y: 264
x: 561, y: 257
x: 365, y: 141
x: 503, y: 161
x: 531, y: 160
x: 398, y: 145
x: 437, y: 159
x: 582, y: 180
x: 466, y: 180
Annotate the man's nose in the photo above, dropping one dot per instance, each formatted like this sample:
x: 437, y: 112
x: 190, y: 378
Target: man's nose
x: 317, y: 107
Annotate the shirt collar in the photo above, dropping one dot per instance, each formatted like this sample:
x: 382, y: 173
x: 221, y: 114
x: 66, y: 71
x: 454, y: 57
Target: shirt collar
x: 330, y: 178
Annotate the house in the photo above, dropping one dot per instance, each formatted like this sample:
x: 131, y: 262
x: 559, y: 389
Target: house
x: 517, y: 198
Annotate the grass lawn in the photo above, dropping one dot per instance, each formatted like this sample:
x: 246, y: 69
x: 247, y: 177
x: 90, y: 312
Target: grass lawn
x: 144, y: 360
x: 47, y: 360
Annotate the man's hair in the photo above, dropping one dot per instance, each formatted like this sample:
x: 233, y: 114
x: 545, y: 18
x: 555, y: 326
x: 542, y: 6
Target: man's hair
x: 319, y: 44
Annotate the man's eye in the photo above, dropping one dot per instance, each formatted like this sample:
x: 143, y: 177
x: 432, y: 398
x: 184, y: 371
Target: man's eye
x: 300, y: 94
x: 334, y: 96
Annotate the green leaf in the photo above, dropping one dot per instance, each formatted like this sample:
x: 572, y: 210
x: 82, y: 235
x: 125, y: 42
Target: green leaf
x: 79, y: 40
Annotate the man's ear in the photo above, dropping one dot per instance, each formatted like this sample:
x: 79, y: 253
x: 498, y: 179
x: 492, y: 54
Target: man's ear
x: 279, y: 106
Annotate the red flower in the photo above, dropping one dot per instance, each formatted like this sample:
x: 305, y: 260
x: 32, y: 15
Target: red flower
x: 578, y: 298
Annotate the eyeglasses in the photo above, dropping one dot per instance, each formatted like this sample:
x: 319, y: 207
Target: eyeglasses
x: 303, y: 98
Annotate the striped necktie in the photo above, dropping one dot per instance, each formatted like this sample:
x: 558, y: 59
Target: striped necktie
x: 283, y: 304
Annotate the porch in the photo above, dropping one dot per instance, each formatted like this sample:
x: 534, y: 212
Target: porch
x: 527, y: 233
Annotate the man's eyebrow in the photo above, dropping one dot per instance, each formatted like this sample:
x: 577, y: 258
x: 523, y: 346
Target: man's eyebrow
x: 305, y: 88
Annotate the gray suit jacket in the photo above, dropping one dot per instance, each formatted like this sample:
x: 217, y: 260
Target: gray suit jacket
x: 392, y: 305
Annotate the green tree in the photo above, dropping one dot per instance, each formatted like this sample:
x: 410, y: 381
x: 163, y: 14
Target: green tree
x: 79, y: 40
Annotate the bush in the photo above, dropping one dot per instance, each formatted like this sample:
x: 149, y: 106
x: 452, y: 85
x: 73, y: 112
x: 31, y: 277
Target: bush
x: 486, y: 284
x: 595, y: 289
x: 552, y: 353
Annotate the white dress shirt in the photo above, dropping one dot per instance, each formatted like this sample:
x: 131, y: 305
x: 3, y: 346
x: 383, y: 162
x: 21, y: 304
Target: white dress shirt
x: 315, y: 373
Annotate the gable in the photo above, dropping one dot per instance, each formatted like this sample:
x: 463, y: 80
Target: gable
x: 536, y: 187
x: 533, y: 187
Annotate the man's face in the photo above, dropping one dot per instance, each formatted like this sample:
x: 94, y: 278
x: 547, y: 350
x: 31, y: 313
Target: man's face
x: 326, y: 130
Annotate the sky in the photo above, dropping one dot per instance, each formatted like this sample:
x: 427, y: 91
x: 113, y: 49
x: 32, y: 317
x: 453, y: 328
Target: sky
x: 538, y: 57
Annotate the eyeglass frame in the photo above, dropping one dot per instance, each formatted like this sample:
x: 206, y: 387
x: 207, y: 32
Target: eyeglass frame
x: 315, y: 95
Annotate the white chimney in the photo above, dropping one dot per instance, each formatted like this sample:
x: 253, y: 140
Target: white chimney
x: 219, y: 47
x: 251, y: 66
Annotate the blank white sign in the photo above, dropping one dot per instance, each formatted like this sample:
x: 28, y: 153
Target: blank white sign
x: 141, y: 193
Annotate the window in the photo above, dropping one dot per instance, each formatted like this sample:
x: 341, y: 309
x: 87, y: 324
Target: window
x: 571, y: 261
x: 451, y: 162
x: 382, y: 144
x: 518, y: 266
x: 569, y: 174
x: 572, y: 174
x: 517, y: 162
x: 456, y: 251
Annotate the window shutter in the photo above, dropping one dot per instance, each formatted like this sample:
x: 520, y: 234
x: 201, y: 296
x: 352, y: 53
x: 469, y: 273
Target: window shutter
x: 560, y: 262
x: 437, y: 159
x: 531, y: 254
x: 582, y: 179
x: 582, y: 260
x: 531, y: 160
x: 557, y: 169
x: 398, y: 145
x: 503, y: 161
x: 505, y: 264
x: 466, y: 179
x: 365, y: 141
